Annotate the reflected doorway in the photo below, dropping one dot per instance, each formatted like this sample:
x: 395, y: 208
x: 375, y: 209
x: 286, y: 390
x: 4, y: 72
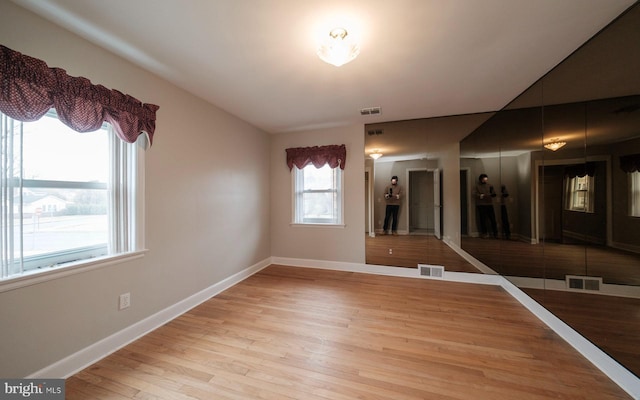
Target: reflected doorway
x: 424, y: 200
x: 367, y: 207
x: 551, y: 187
x: 420, y: 202
x: 464, y: 202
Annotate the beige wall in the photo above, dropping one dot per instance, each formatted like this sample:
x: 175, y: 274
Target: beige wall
x: 449, y: 163
x: 218, y: 200
x: 207, y: 209
x: 319, y: 243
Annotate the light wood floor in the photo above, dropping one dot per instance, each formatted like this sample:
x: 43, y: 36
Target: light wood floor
x: 555, y: 260
x: 411, y: 250
x: 297, y: 333
x: 611, y: 323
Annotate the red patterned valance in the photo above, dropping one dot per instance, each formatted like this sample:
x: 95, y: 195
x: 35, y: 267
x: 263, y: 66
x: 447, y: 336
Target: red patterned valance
x: 334, y: 155
x: 29, y: 88
x: 581, y: 170
x: 630, y: 163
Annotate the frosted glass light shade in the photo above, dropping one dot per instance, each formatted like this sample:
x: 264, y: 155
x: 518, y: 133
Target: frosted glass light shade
x: 338, y: 49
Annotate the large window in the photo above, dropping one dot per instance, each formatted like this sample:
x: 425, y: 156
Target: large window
x: 317, y: 195
x: 65, y: 197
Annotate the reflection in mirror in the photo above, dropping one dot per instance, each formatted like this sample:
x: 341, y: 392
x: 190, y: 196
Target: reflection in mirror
x: 413, y: 151
x: 573, y: 242
x: 502, y: 149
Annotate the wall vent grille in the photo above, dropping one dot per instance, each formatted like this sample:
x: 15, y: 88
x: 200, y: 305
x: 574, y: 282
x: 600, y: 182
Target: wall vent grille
x: 590, y: 283
x: 371, y: 111
x: 431, y: 271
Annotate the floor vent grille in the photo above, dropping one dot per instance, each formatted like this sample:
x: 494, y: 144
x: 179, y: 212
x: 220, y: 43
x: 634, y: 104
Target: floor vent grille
x: 590, y: 283
x: 431, y: 271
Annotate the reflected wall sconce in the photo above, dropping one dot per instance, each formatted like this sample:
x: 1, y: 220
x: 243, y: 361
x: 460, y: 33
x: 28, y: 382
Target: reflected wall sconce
x: 554, y: 145
x: 338, y: 49
x: 375, y: 155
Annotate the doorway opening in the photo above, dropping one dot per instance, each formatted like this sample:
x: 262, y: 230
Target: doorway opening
x: 464, y: 202
x: 424, y: 200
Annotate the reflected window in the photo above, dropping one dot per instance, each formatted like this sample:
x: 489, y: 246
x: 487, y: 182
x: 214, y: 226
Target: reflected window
x: 634, y: 192
x: 318, y: 195
x: 579, y: 193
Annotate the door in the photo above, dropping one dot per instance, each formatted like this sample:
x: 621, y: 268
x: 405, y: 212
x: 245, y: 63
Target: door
x: 367, y: 200
x: 420, y: 201
x: 552, y: 201
x: 464, y: 203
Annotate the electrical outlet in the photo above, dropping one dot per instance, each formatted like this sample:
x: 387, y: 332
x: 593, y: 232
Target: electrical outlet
x: 125, y: 301
x: 390, y: 251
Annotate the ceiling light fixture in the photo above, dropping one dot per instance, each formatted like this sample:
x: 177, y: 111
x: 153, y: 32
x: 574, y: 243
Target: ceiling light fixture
x: 376, y: 154
x: 338, y: 49
x: 554, y: 145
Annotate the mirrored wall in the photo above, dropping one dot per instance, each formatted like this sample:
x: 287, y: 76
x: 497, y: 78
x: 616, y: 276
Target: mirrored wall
x: 559, y: 214
x: 419, y: 153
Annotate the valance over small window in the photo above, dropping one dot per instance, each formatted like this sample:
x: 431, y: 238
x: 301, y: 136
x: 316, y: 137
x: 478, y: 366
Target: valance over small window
x: 630, y: 163
x: 334, y: 155
x: 29, y: 88
x: 580, y: 170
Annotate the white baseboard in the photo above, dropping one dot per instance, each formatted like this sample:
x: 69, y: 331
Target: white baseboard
x: 606, y: 289
x: 407, y: 272
x: 610, y: 367
x: 345, y: 266
x: 470, y: 259
x: 89, y: 355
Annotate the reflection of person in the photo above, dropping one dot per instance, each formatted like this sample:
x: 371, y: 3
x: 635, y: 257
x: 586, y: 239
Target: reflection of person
x: 504, y: 216
x: 484, y: 194
x: 393, y: 194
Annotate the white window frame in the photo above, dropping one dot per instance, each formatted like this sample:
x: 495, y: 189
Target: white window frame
x: 580, y: 190
x: 126, y: 220
x: 297, y: 185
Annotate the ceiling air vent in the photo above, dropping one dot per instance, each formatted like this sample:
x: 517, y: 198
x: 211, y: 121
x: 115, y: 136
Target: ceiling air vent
x: 372, y: 132
x: 370, y: 111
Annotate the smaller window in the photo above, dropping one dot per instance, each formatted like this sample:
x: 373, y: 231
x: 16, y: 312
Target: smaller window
x: 579, y: 194
x: 634, y: 193
x: 317, y: 195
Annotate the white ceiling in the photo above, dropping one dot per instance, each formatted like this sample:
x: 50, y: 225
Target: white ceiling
x: 257, y: 60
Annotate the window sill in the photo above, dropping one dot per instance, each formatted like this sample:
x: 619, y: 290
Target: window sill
x: 580, y: 211
x: 39, y: 276
x: 299, y: 225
